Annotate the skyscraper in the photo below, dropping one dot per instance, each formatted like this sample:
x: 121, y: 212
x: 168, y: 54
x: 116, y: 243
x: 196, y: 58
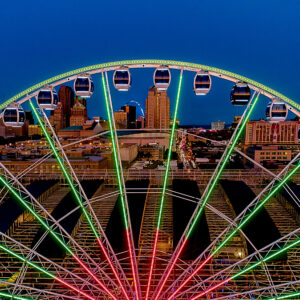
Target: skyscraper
x: 131, y: 115
x: 140, y: 122
x: 58, y: 117
x: 66, y: 97
x: 157, y: 109
x: 121, y: 119
x: 78, y: 113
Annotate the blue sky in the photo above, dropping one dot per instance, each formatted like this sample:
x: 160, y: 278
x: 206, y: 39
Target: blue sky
x: 258, y: 39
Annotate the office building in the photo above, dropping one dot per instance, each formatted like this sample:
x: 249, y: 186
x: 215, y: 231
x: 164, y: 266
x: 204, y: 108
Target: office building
x: 140, y: 122
x: 66, y: 97
x: 131, y: 115
x: 121, y: 119
x: 157, y: 109
x: 264, y: 133
x: 58, y: 117
x: 78, y: 113
x: 217, y: 125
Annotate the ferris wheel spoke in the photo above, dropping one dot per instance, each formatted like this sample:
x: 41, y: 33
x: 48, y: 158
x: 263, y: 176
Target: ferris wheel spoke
x: 231, y: 224
x: 199, y: 210
x: 62, y: 238
x: 273, y: 175
x: 79, y: 196
x: 270, y: 252
x: 285, y: 290
x: 248, y: 158
x: 164, y: 189
x: 37, y: 266
x: 33, y: 292
x: 6, y: 295
x: 121, y: 185
x: 241, y: 220
x: 46, y: 263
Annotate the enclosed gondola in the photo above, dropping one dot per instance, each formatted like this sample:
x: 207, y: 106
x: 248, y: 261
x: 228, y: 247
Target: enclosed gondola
x: 13, y: 116
x: 84, y: 86
x: 276, y: 111
x: 202, y: 83
x: 240, y: 94
x: 47, y: 98
x: 122, y: 79
x: 162, y: 78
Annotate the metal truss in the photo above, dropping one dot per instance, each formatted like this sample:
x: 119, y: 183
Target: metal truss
x: 44, y: 262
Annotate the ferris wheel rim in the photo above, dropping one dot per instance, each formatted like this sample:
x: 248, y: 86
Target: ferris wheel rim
x: 122, y: 172
x: 147, y: 63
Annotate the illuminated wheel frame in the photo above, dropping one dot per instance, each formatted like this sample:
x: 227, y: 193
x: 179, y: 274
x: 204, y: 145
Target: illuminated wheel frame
x: 118, y: 275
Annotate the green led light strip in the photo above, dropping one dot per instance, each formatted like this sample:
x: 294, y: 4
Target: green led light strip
x: 32, y: 211
x: 130, y: 242
x: 258, y: 207
x: 171, y: 141
x: 24, y: 260
x: 6, y: 295
x: 267, y: 258
x: 145, y: 62
x: 287, y: 296
x: 247, y: 269
x: 117, y: 162
x: 44, y: 271
x: 48, y: 228
x: 64, y: 170
x: 222, y: 166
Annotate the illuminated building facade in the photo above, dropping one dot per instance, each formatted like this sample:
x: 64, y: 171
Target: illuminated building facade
x: 78, y: 113
x: 157, y: 109
x: 66, y: 97
x: 57, y: 117
x: 131, y: 115
x: 34, y: 130
x: 264, y: 133
x: 121, y: 119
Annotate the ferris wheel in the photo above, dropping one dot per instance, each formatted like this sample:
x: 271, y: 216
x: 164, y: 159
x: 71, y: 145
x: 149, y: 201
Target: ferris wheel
x: 148, y: 234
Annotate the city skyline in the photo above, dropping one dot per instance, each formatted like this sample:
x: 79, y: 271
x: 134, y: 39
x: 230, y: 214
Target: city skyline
x: 253, y: 56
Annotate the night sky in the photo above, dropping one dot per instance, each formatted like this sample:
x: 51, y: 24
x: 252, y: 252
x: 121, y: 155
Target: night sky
x: 259, y: 39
